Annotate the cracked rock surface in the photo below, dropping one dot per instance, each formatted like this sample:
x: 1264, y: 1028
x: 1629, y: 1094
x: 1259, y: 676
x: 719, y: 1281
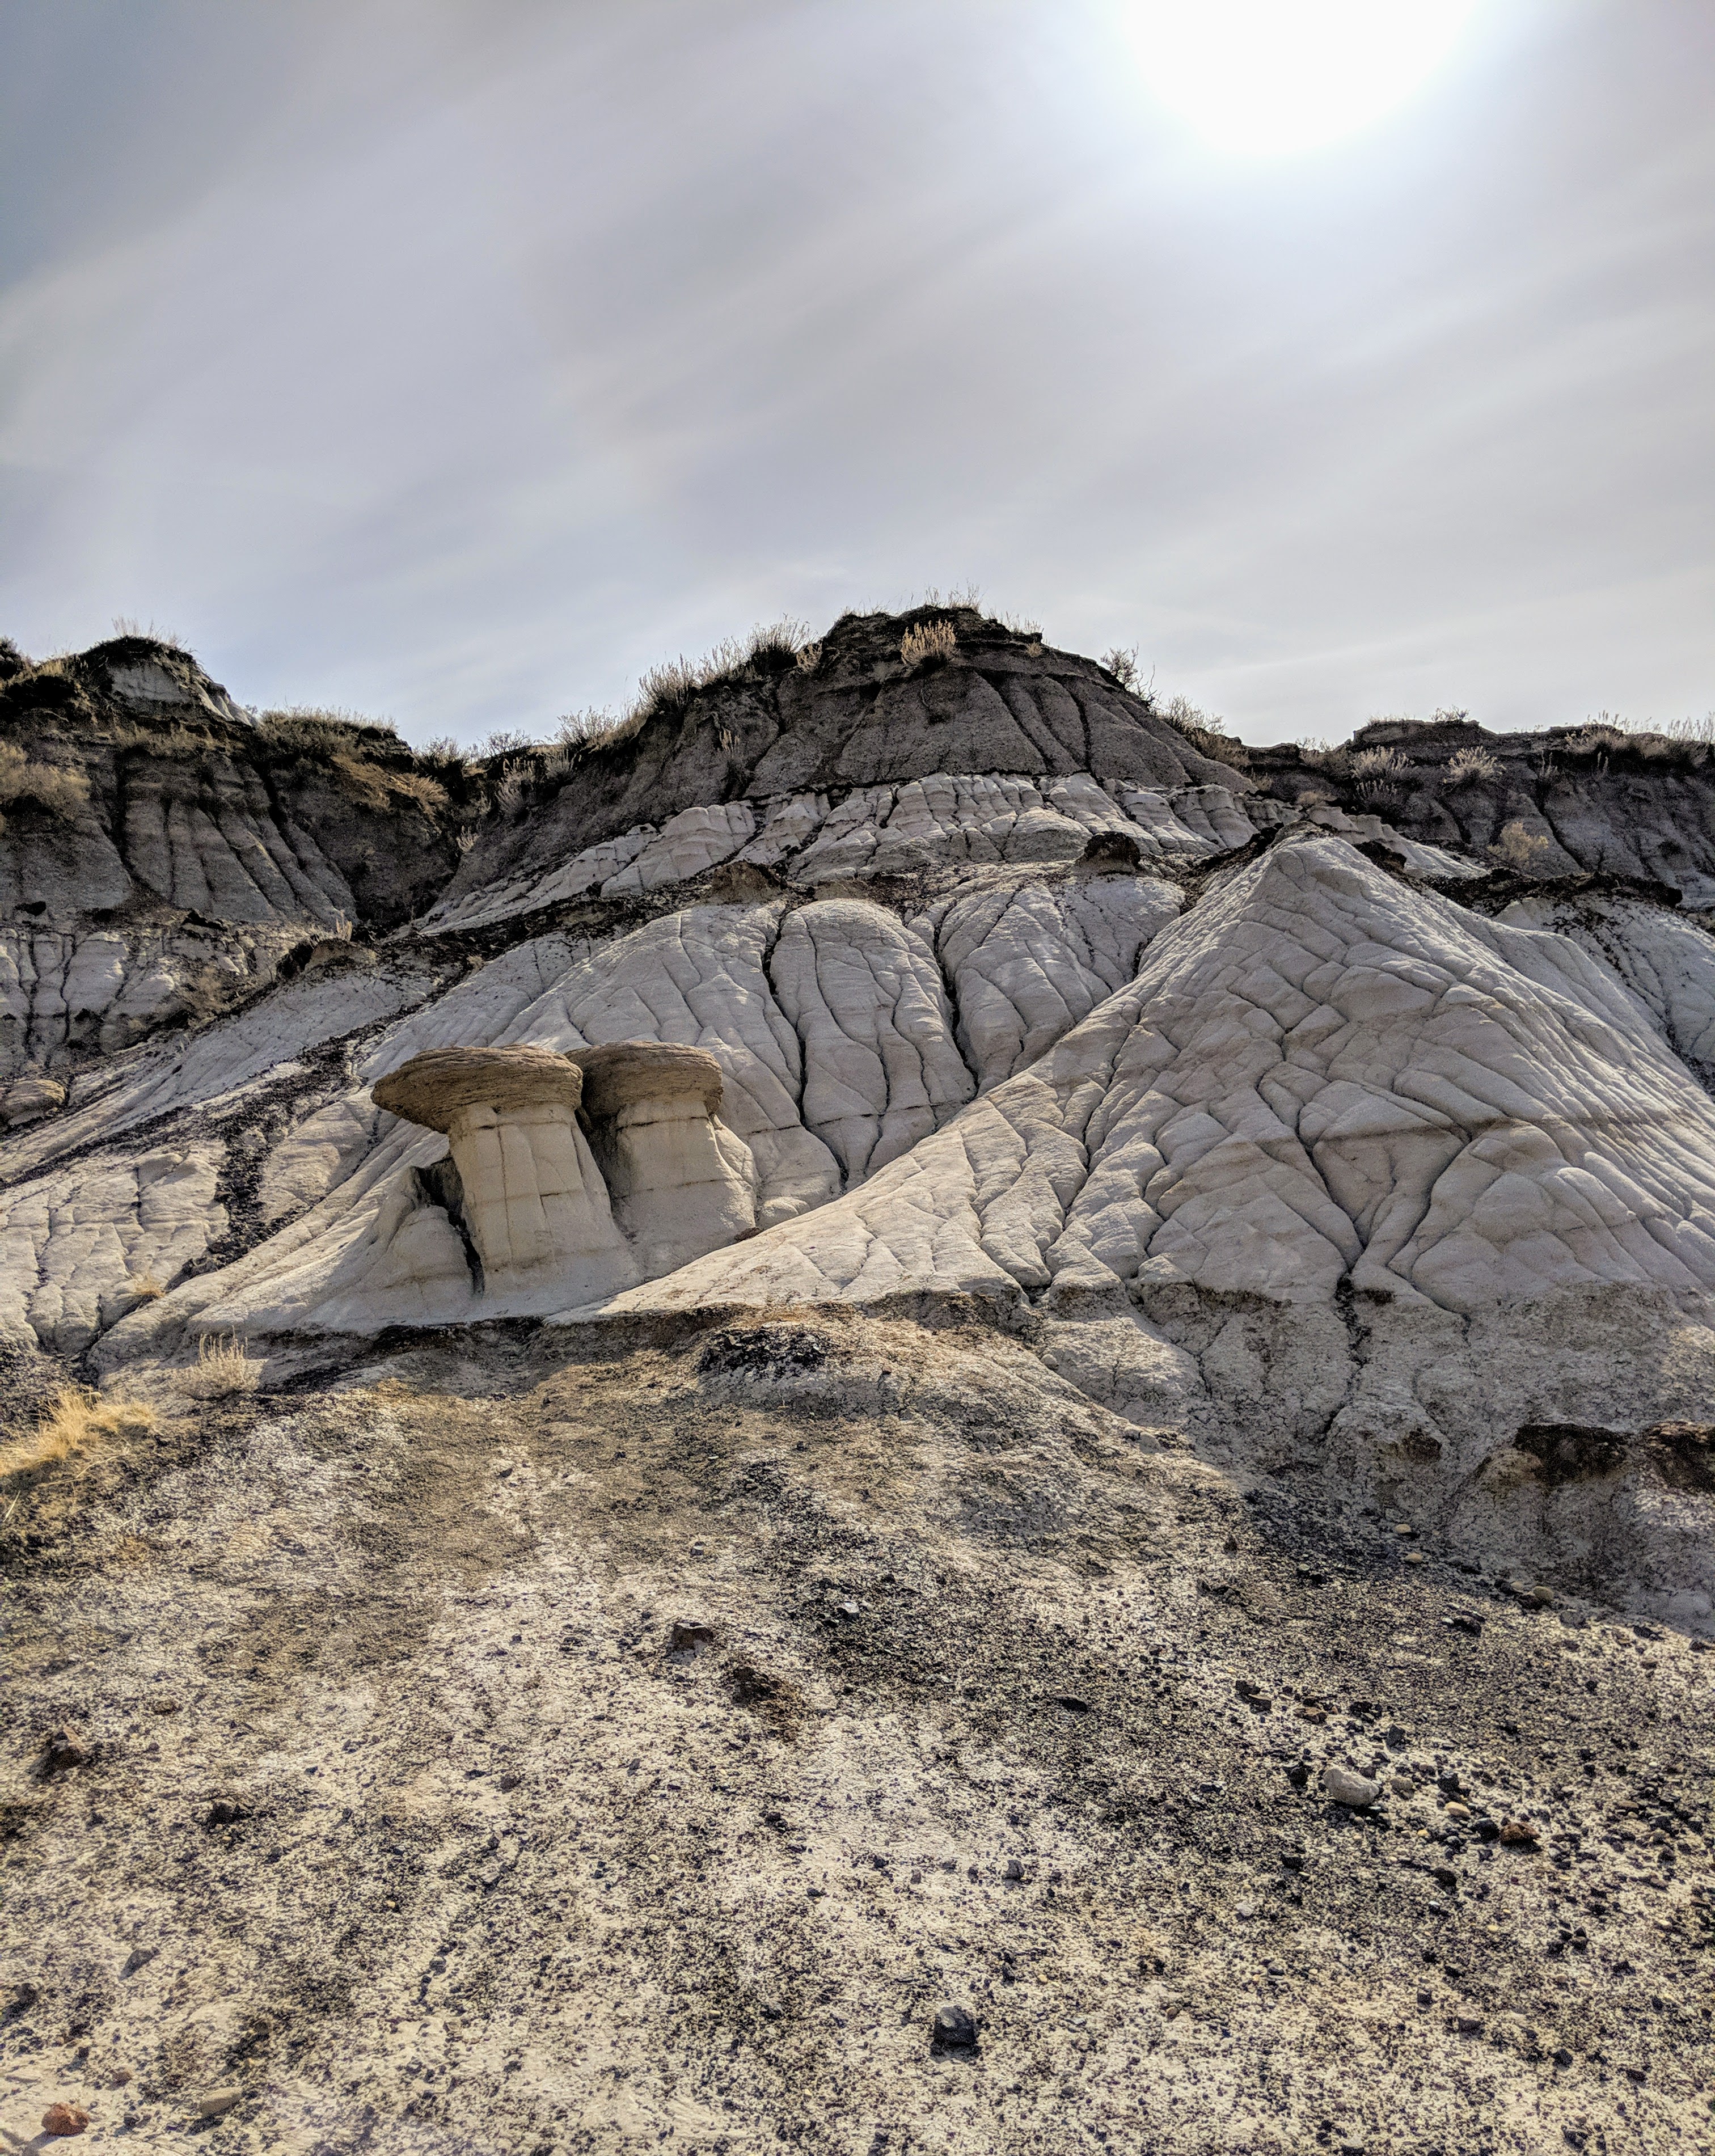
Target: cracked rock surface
x: 1101, y: 1534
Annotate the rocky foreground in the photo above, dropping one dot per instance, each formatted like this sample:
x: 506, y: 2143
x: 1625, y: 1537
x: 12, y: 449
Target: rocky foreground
x: 908, y: 1411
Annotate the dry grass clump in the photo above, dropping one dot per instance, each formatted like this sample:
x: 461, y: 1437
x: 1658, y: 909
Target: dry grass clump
x: 313, y: 730
x: 930, y: 641
x: 1466, y: 764
x: 1207, y: 735
x: 80, y: 1425
x: 221, y: 1370
x: 1379, y: 763
x: 1526, y: 851
x: 126, y: 625
x: 378, y: 788
x: 176, y: 741
x: 465, y: 839
x: 62, y: 793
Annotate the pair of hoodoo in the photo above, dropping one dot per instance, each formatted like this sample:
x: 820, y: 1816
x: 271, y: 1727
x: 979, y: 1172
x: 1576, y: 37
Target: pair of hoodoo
x: 574, y: 1177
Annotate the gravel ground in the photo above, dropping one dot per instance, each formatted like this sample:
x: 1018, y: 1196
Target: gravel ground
x: 530, y: 1743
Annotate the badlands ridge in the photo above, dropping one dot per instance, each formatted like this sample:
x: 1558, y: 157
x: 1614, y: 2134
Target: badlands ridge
x: 919, y: 1047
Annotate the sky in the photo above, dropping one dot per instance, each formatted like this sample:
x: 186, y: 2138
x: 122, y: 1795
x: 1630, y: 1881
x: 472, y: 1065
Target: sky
x: 456, y: 362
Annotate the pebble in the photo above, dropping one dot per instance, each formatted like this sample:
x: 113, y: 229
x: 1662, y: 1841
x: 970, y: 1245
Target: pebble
x: 64, y: 2118
x: 1457, y: 1811
x: 217, y: 2102
x: 1346, y: 1788
x: 62, y: 1748
x: 1014, y: 1870
x: 954, y: 2029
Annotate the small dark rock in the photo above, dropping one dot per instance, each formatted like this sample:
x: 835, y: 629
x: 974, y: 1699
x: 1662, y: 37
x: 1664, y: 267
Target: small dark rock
x: 1298, y: 1774
x: 953, y: 2029
x: 224, y: 1811
x: 60, y: 1750
x: 1562, y: 2057
x: 1014, y: 1870
x: 1445, y: 1877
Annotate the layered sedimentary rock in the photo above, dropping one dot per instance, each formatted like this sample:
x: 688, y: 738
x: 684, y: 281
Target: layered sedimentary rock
x: 527, y: 1189
x: 1291, y: 1114
x: 681, y: 1183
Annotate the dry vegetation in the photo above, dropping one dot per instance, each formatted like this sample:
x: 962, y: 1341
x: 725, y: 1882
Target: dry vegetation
x: 1207, y: 735
x: 931, y: 640
x: 1467, y: 764
x: 79, y: 1425
x: 1526, y: 851
x: 222, y: 1368
x: 61, y: 792
x: 378, y: 788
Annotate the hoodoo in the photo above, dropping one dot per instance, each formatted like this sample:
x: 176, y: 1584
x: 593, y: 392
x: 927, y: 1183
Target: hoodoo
x: 681, y: 1185
x: 909, y: 1301
x: 528, y: 1190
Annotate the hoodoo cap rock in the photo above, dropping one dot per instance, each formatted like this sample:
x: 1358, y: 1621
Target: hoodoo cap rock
x: 627, y: 1070
x: 432, y: 1087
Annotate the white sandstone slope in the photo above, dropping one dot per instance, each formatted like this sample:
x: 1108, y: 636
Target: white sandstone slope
x: 1319, y: 1076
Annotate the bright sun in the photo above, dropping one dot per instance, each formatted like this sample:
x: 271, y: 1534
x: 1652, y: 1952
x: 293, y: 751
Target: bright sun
x: 1260, y: 77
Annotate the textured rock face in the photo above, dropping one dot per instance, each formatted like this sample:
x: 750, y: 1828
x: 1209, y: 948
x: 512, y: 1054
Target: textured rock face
x: 1289, y: 1117
x: 681, y: 1185
x: 1146, y: 1328
x: 528, y: 1192
x: 161, y: 855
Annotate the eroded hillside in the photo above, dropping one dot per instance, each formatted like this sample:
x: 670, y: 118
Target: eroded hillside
x: 908, y: 1335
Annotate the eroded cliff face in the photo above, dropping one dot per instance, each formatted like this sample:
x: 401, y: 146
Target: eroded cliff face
x: 994, y: 1162
x: 164, y: 856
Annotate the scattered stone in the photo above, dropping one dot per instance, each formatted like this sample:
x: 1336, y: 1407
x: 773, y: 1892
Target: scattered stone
x: 1468, y: 2025
x: 1518, y: 1833
x: 1345, y: 1787
x: 1445, y: 1877
x: 1403, y: 1786
x: 62, y: 1749
x: 217, y: 2102
x: 62, y: 2120
x: 138, y: 1958
x: 1454, y: 1810
x: 689, y: 1636
x: 224, y: 1811
x: 850, y: 1608
x: 954, y: 2029
x: 1298, y: 1774
x: 1014, y: 1870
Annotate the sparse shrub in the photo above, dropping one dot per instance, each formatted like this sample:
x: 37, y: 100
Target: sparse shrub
x: 1123, y: 665
x: 148, y: 1288
x: 778, y: 641
x: 507, y: 741
x: 1466, y: 764
x: 442, y: 749
x: 1379, y: 763
x: 930, y: 641
x: 514, y: 784
x: 80, y: 1423
x: 1206, y: 735
x: 591, y: 729
x: 125, y: 624
x: 1526, y: 851
x: 62, y: 793
x: 464, y: 840
x: 222, y: 1368
x: 1380, y: 794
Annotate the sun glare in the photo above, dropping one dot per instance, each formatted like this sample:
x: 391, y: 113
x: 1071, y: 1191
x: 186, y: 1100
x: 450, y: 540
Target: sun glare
x: 1259, y: 78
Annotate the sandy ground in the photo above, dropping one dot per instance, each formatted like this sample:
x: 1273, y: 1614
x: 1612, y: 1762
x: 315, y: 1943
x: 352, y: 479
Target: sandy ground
x: 539, y: 1742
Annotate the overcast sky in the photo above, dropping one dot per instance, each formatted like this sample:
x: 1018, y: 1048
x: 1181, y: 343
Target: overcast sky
x: 455, y: 362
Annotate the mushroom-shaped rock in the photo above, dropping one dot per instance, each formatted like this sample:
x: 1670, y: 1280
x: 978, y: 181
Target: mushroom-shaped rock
x: 682, y: 1183
x: 531, y: 1198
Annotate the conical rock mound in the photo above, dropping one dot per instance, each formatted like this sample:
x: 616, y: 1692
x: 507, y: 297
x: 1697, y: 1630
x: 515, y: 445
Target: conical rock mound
x: 1320, y: 1077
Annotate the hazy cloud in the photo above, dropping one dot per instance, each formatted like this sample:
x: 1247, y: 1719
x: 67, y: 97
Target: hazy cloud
x: 458, y: 361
